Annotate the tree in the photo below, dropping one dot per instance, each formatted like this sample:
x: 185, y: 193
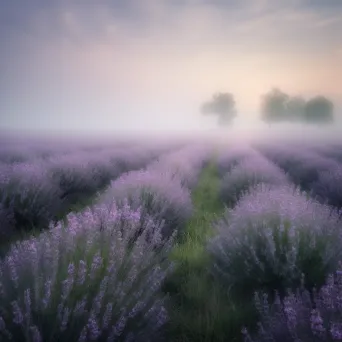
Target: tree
x: 319, y: 110
x: 296, y: 109
x: 278, y: 106
x: 274, y: 106
x: 223, y: 105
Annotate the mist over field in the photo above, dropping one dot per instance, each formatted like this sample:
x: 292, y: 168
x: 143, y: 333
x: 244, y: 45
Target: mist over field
x: 135, y: 66
x: 170, y: 170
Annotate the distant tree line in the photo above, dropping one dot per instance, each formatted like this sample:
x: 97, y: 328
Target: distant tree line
x: 276, y: 107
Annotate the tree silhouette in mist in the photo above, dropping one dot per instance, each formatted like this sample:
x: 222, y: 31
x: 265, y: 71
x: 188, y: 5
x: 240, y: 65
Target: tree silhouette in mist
x: 319, y: 110
x: 278, y: 106
x: 222, y: 105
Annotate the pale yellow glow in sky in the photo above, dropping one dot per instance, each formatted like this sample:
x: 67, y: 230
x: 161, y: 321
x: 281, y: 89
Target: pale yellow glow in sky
x: 105, y: 72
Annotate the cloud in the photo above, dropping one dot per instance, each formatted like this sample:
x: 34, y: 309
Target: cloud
x: 179, y: 20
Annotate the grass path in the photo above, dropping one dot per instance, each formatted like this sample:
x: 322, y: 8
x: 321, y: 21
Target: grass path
x: 200, y: 310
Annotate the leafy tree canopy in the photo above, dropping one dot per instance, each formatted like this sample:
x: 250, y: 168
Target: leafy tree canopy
x: 277, y: 106
x: 222, y: 105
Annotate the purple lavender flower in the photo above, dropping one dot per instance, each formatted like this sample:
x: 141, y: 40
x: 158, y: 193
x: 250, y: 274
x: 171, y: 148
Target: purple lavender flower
x: 47, y: 294
x: 271, y: 234
x: 248, y: 173
x: 299, y: 318
x: 158, y: 196
x: 125, y: 274
x: 18, y: 317
x: 107, y: 316
x: 36, y: 336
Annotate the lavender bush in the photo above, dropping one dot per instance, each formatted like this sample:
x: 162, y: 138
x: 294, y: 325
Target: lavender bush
x: 6, y: 222
x: 161, y: 195
x: 328, y: 187
x: 13, y: 155
x: 85, y: 173
x: 26, y: 150
x: 134, y: 157
x: 272, y: 237
x: 302, y: 166
x: 185, y: 164
x: 229, y: 157
x: 28, y: 195
x: 247, y: 173
x: 77, y: 174
x: 84, y: 281
x: 330, y: 151
x: 82, y: 175
x: 314, y: 173
x: 299, y: 317
x: 34, y: 193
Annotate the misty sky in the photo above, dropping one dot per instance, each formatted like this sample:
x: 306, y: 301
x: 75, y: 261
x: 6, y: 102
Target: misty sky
x: 136, y: 64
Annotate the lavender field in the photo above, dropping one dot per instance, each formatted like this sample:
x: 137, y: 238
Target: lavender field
x: 170, y: 240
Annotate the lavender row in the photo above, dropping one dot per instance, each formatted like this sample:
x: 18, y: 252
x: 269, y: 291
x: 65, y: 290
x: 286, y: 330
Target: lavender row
x: 328, y: 150
x: 313, y: 173
x: 15, y: 149
x: 33, y: 194
x: 186, y: 164
x: 162, y: 190
x: 273, y: 237
x: 329, y: 185
x: 86, y: 281
x: 24, y: 152
x: 301, y: 315
x: 250, y: 170
x: 95, y: 281
x: 229, y: 156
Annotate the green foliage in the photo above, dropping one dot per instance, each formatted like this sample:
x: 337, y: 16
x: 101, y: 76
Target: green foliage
x: 201, y: 309
x: 278, y: 106
x: 223, y: 105
x: 271, y: 238
x: 273, y: 107
x: 319, y: 110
